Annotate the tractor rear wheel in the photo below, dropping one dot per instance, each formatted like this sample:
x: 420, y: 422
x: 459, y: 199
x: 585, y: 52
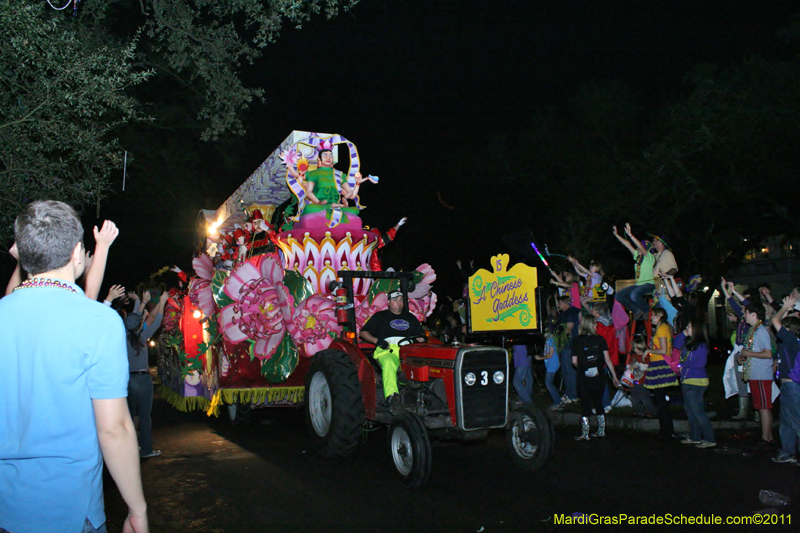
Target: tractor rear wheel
x: 334, y: 404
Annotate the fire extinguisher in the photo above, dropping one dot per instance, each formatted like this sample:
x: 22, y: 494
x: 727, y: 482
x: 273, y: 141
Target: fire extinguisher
x: 341, y: 304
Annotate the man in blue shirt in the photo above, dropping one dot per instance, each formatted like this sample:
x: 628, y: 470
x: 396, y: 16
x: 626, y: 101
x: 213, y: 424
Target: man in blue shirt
x: 62, y: 390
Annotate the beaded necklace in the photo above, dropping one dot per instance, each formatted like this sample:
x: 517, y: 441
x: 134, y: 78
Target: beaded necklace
x: 33, y: 283
x: 748, y: 345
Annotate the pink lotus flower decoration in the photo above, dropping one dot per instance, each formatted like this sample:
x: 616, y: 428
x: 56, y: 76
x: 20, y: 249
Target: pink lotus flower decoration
x: 365, y: 311
x: 312, y: 323
x: 260, y: 304
x: 424, y: 286
x: 200, y: 293
x: 423, y: 307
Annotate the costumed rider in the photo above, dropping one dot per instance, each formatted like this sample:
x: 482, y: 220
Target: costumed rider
x: 385, y: 329
x: 324, y: 190
x: 382, y: 240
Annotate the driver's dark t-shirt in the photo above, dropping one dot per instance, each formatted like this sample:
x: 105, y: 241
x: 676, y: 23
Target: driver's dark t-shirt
x: 385, y: 324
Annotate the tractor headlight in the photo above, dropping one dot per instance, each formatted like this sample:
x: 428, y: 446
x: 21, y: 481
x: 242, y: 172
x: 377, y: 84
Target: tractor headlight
x: 499, y: 377
x: 469, y: 379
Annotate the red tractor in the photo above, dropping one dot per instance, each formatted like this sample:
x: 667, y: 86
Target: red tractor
x: 447, y: 392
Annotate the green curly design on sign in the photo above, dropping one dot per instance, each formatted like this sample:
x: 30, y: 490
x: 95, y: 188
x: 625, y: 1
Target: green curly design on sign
x: 524, y: 315
x: 477, y: 290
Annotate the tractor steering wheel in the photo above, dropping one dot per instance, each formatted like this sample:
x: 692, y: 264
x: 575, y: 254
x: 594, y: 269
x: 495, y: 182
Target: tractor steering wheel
x: 405, y: 341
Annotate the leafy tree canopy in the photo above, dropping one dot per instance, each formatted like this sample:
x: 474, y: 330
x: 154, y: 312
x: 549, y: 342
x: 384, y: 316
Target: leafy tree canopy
x: 69, y: 82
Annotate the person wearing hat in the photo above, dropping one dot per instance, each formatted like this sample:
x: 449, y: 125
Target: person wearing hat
x: 665, y: 264
x: 140, y: 384
x: 385, y: 329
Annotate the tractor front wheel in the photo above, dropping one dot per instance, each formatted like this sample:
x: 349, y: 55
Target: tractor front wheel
x: 410, y: 449
x: 530, y: 437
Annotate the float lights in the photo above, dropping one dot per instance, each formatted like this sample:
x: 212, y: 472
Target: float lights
x: 214, y: 225
x: 152, y: 343
x: 197, y: 314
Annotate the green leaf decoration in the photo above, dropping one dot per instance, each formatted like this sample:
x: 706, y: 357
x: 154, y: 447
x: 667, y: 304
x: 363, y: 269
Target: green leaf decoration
x: 250, y: 349
x: 382, y: 285
x: 280, y: 366
x: 174, y: 340
x: 217, y: 286
x: 212, y: 327
x: 299, y: 287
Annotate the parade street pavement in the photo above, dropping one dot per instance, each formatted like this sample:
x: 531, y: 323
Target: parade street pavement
x: 262, y: 477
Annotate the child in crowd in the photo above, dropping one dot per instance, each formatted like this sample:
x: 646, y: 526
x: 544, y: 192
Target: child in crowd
x: 593, y: 276
x: 640, y: 397
x: 551, y: 365
x: 756, y: 360
x: 589, y: 354
x: 693, y: 343
x: 659, y: 376
x: 788, y: 328
x: 569, y: 282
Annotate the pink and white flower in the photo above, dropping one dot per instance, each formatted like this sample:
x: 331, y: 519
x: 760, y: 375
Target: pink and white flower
x: 200, y: 293
x: 423, y: 307
x: 312, y: 323
x: 365, y: 311
x: 424, y: 286
x: 261, y: 305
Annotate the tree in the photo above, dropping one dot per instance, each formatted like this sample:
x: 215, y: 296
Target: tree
x: 63, y: 95
x: 70, y: 83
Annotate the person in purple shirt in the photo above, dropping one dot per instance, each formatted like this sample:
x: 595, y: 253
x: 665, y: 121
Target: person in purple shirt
x: 693, y: 344
x: 788, y: 329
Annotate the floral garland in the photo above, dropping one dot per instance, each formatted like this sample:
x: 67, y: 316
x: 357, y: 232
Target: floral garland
x: 748, y: 345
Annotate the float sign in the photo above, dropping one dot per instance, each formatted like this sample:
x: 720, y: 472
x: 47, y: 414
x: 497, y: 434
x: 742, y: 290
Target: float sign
x: 504, y: 299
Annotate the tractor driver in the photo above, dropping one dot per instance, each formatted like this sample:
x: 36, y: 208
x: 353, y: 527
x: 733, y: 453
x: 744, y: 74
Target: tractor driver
x: 385, y: 329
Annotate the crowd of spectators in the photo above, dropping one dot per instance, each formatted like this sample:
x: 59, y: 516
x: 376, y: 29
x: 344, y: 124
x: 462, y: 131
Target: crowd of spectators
x: 649, y: 339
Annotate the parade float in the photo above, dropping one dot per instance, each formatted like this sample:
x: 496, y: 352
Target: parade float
x: 286, y: 275
x: 259, y: 304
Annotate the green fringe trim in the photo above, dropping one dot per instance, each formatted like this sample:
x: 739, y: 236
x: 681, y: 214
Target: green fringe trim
x: 185, y: 405
x: 262, y: 395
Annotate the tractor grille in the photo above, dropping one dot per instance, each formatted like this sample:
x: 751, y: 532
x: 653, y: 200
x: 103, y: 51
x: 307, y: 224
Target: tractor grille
x: 482, y: 402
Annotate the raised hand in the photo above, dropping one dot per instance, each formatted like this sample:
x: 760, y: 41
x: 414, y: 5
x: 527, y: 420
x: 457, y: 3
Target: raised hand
x: 106, y: 234
x: 115, y: 292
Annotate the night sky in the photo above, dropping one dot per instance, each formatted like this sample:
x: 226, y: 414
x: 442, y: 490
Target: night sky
x: 420, y: 86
